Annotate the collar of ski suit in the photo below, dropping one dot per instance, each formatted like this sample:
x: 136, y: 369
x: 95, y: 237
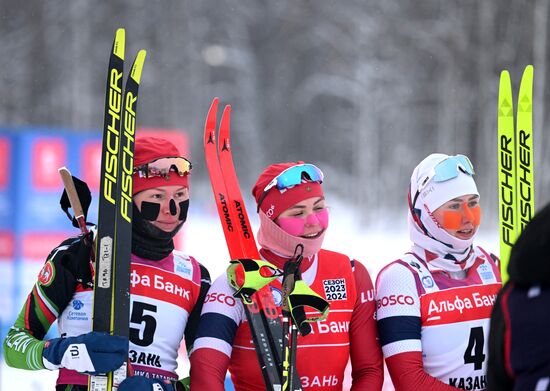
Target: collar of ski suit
x: 279, y: 260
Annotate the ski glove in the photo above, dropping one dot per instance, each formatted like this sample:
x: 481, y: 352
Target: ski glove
x: 76, y: 259
x: 140, y: 383
x: 92, y: 353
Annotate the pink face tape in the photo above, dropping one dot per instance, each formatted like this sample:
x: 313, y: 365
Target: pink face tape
x: 295, y: 226
x: 452, y: 219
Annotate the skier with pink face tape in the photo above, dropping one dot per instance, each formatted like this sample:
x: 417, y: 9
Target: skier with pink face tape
x: 293, y: 212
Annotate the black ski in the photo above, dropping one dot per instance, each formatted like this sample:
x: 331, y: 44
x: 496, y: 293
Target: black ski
x: 114, y: 231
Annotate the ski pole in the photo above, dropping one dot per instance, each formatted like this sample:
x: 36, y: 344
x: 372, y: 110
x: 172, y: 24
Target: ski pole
x: 290, y: 332
x: 76, y: 206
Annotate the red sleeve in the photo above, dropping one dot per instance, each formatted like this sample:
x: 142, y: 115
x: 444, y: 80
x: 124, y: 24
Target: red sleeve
x: 407, y: 373
x: 208, y: 369
x: 366, y: 356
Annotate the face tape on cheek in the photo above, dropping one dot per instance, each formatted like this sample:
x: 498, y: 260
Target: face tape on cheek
x: 292, y: 225
x: 322, y: 217
x: 476, y: 212
x: 150, y: 210
x: 453, y: 219
x: 173, y: 209
x: 296, y: 225
x: 184, y: 207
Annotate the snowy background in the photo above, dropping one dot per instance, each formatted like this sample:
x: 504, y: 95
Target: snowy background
x: 363, y: 88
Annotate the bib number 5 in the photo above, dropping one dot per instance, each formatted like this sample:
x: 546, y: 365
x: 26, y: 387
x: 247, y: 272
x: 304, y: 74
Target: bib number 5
x: 141, y: 315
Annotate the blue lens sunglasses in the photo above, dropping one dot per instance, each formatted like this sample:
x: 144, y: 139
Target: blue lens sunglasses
x: 292, y: 176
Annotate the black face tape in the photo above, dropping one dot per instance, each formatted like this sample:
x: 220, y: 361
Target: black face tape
x: 150, y: 210
x: 184, y: 206
x: 173, y: 209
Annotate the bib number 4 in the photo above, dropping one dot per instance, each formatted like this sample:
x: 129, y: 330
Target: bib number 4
x: 474, y: 352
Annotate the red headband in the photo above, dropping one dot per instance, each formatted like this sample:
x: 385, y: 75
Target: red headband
x: 152, y: 148
x: 277, y: 201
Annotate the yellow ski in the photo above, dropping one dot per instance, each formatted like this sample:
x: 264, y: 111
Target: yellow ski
x: 515, y: 162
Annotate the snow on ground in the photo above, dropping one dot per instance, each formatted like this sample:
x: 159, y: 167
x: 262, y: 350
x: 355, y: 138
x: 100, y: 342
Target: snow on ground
x: 203, y: 238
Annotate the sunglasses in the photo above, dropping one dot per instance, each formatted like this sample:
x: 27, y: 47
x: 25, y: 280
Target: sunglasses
x: 293, y: 176
x: 163, y: 166
x: 446, y: 170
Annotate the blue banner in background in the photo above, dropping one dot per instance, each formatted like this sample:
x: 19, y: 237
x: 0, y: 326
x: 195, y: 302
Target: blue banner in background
x: 38, y: 184
x: 7, y: 234
x: 31, y: 220
x: 6, y: 175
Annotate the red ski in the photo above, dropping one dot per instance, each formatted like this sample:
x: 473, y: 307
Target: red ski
x: 261, y: 314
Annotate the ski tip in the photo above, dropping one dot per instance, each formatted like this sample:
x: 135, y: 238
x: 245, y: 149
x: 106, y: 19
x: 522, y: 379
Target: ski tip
x: 226, y: 116
x: 505, y: 88
x: 225, y: 123
x: 137, y: 68
x: 526, y: 85
x: 212, y: 113
x: 504, y: 75
x: 215, y: 102
x: 225, y: 129
x: 210, y: 124
x: 118, y: 45
x: 528, y: 71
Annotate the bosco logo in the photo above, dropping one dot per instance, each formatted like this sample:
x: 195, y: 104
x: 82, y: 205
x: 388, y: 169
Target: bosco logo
x: 393, y: 300
x: 220, y: 298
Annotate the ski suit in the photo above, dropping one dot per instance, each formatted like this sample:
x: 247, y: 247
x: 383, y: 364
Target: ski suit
x: 433, y: 328
x: 163, y: 299
x: 224, y: 339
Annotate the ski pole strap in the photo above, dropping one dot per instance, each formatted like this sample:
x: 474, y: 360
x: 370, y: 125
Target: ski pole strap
x: 303, y: 296
x: 290, y: 273
x: 247, y: 276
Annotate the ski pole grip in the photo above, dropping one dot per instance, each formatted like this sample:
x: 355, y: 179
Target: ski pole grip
x: 247, y: 276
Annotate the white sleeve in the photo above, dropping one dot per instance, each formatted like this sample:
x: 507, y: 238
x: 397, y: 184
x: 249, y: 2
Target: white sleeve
x: 221, y: 316
x: 398, y: 310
